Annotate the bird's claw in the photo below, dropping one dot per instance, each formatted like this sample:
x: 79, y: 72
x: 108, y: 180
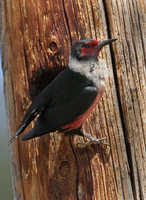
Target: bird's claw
x: 94, y: 141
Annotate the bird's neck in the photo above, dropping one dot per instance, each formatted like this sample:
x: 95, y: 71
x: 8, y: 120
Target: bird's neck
x: 96, y: 71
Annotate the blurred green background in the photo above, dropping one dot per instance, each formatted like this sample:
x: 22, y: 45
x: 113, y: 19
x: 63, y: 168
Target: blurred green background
x: 5, y: 173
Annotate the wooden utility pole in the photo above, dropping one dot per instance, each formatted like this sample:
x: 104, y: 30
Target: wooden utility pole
x: 36, y: 41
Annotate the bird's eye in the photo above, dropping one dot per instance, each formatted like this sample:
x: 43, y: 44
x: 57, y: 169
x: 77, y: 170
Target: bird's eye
x: 87, y: 45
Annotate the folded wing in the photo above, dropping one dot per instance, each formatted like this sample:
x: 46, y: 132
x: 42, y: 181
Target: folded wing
x: 52, y: 119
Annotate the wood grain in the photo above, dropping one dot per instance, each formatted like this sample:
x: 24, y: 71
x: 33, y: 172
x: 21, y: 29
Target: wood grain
x: 38, y: 36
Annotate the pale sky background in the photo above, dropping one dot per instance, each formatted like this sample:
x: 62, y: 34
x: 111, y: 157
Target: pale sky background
x: 5, y: 175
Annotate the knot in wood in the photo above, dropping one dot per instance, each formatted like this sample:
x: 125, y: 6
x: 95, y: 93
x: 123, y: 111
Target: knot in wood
x: 53, y: 47
x: 64, y: 169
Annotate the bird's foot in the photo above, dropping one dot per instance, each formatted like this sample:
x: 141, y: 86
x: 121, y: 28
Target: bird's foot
x: 94, y: 141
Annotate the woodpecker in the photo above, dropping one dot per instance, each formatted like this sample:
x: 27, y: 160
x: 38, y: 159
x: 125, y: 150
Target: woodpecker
x: 65, y: 104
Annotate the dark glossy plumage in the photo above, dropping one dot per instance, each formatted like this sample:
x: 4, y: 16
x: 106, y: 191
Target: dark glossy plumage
x: 68, y: 96
x: 68, y: 100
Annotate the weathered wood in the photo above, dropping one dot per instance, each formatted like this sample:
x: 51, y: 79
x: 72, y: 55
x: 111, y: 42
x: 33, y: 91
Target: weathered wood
x: 130, y: 26
x: 38, y: 37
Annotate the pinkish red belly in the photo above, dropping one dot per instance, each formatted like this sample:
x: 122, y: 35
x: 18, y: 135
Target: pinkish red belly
x: 79, y: 121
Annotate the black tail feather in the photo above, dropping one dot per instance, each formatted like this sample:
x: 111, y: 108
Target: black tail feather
x: 29, y: 135
x: 28, y: 117
x: 12, y: 139
x: 18, y: 132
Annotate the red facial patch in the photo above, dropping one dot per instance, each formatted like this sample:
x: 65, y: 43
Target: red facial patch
x: 91, y: 50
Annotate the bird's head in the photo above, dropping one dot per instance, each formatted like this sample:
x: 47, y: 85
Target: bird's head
x: 88, y: 48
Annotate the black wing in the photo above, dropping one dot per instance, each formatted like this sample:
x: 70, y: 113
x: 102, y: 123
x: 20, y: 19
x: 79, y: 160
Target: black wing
x: 51, y: 119
x: 63, y: 88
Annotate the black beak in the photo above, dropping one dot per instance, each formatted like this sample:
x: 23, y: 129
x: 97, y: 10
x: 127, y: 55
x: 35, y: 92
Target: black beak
x: 105, y: 42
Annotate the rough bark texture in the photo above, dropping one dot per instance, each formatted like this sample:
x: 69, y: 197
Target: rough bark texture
x: 38, y: 36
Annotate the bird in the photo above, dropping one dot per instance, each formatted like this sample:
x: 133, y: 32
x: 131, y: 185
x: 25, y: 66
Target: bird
x: 66, y: 103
